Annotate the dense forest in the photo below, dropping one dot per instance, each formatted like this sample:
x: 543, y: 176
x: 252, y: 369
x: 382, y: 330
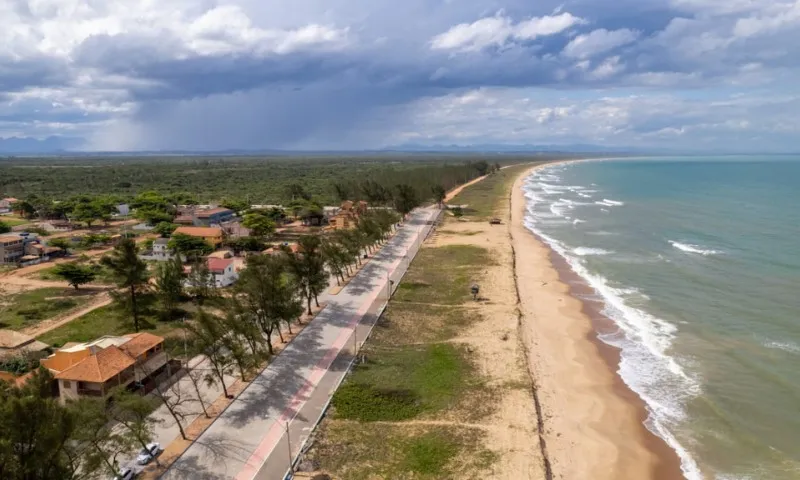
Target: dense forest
x: 255, y: 180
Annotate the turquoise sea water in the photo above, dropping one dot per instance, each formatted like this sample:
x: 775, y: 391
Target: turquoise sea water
x: 698, y: 263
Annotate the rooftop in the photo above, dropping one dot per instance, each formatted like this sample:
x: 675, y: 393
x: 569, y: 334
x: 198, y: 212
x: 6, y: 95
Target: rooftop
x: 211, y: 211
x: 161, y: 241
x: 218, y: 265
x: 199, y: 231
x: 98, y: 368
x: 139, y: 343
x: 10, y: 238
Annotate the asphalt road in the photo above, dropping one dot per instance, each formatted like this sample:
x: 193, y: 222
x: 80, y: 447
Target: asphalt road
x: 267, y: 425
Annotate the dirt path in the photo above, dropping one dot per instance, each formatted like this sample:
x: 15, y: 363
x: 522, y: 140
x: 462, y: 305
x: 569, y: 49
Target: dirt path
x: 45, y: 326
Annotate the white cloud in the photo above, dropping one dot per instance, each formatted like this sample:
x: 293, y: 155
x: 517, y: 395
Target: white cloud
x: 499, y: 30
x: 599, y: 41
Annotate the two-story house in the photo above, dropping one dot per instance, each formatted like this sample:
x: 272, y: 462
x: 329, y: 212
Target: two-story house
x: 347, y: 216
x: 95, y: 368
x: 160, y: 251
x: 223, y: 271
x: 12, y: 249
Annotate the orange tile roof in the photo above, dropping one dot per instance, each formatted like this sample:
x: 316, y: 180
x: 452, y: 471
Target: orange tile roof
x: 199, y: 231
x: 61, y: 360
x: 98, y: 368
x: 140, y: 343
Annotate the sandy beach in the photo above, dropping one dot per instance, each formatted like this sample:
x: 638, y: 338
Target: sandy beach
x: 593, y: 423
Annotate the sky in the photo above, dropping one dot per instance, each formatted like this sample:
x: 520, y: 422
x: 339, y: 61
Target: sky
x: 715, y: 75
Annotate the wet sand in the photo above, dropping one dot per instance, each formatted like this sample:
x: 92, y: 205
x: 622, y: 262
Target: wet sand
x: 593, y: 423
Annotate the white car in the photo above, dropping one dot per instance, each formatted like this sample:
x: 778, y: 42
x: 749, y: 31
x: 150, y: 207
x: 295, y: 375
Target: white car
x: 147, y: 454
x: 125, y: 474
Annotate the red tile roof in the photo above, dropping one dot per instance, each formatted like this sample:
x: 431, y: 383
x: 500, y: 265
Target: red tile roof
x: 199, y: 231
x: 218, y: 265
x: 140, y: 343
x: 211, y: 211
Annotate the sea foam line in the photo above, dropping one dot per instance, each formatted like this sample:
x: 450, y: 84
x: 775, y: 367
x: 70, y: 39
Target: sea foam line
x: 644, y: 364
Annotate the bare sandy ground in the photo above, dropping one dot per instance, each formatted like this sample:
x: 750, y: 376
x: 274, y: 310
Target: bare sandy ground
x: 592, y: 423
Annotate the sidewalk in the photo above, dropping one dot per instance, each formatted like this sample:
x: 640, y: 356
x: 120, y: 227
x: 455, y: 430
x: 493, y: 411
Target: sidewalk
x: 249, y: 440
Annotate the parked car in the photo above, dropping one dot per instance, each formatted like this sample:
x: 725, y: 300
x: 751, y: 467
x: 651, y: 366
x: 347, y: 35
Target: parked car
x: 125, y: 474
x: 148, y: 454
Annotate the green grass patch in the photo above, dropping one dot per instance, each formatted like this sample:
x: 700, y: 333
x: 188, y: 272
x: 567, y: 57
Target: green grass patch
x: 465, y: 233
x: 103, y: 274
x: 24, y: 309
x: 364, y: 451
x: 107, y: 320
x: 13, y: 220
x: 442, y: 275
x: 484, y: 198
x: 403, y: 383
x: 404, y: 322
x: 428, y: 454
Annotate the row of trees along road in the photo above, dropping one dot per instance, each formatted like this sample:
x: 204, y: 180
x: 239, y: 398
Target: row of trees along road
x: 42, y: 439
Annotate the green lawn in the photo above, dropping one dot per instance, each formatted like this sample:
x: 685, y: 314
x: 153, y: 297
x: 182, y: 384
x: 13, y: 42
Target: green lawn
x: 13, y: 220
x: 108, y: 320
x: 28, y: 308
x: 484, y: 198
x: 443, y: 275
x: 103, y: 275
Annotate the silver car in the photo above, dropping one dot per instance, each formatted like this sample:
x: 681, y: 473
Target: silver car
x: 148, y: 453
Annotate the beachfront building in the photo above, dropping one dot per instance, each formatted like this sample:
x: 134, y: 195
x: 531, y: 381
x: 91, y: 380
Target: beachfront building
x: 93, y: 369
x: 212, y: 235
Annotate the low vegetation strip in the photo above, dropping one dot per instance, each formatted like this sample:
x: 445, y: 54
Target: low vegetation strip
x: 482, y: 199
x: 24, y: 309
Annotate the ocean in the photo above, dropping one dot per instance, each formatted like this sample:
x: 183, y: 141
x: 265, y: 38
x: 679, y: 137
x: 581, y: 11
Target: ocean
x: 697, y: 261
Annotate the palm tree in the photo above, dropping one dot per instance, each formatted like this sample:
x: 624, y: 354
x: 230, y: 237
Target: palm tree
x: 129, y: 271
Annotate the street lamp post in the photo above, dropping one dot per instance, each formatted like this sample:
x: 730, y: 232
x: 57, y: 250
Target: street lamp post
x: 289, y: 444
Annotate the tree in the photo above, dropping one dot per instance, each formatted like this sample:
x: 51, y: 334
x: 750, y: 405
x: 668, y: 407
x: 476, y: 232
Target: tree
x: 189, y: 246
x: 88, y: 213
x: 24, y: 208
x: 132, y: 411
x: 61, y: 243
x: 296, y: 192
x: 458, y: 212
x: 439, y: 193
x: 335, y: 258
x: 308, y: 268
x: 267, y: 294
x: 165, y: 229
x: 405, y: 199
x: 342, y: 191
x: 246, y: 244
x: 4, y: 227
x: 236, y: 205
x: 175, y: 398
x: 201, y: 282
x: 101, y: 443
x: 482, y: 167
x: 130, y: 273
x: 207, y: 331
x: 169, y: 285
x: 74, y: 274
x: 37, y: 433
x: 260, y: 225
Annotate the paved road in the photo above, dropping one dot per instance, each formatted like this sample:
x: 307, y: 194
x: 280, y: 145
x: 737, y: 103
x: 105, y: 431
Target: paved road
x: 252, y: 439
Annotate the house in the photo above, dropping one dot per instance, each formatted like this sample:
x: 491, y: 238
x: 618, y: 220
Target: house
x: 124, y: 209
x: 5, y: 203
x: 222, y: 270
x: 14, y: 343
x: 348, y: 214
x: 12, y: 249
x: 212, y: 216
x: 160, y: 251
x: 42, y: 252
x: 212, y: 235
x: 94, y: 368
x: 221, y: 254
x: 235, y: 229
x: 277, y: 249
x: 184, y: 220
x: 53, y: 226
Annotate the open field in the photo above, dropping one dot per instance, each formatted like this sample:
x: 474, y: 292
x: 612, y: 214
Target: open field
x: 482, y: 198
x: 444, y: 392
x: 13, y: 220
x: 107, y: 320
x: 27, y: 308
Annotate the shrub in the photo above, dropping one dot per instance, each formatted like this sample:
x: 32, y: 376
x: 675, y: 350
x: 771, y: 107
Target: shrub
x: 356, y: 401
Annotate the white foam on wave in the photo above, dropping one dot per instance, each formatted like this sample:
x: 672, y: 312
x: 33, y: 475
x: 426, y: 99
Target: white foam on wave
x: 785, y: 346
x: 577, y: 221
x: 586, y: 251
x: 689, y: 248
x: 644, y: 340
x: 609, y: 203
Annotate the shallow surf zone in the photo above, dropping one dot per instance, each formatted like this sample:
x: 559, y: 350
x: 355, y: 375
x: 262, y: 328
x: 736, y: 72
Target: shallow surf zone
x: 644, y: 340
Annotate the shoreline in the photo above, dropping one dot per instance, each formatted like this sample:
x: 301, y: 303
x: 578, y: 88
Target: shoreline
x: 594, y: 423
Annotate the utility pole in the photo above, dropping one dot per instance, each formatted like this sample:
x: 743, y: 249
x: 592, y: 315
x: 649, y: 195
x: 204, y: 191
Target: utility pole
x: 289, y: 443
